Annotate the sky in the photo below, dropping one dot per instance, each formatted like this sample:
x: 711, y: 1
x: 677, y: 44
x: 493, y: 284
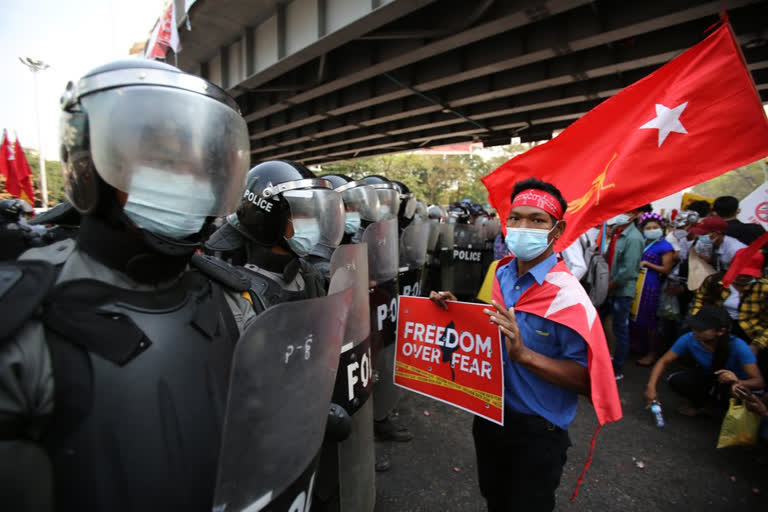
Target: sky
x: 72, y: 36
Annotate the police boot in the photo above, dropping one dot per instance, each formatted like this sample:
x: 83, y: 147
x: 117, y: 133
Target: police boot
x: 382, y: 463
x: 388, y: 430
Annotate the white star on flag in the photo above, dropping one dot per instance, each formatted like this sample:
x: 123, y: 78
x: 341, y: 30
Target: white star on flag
x: 569, y: 295
x: 667, y: 120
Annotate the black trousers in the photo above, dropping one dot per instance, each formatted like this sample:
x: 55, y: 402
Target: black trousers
x: 699, y: 385
x: 519, y: 465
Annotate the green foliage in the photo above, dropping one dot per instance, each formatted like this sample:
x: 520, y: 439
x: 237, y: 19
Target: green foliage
x: 438, y: 179
x: 738, y: 183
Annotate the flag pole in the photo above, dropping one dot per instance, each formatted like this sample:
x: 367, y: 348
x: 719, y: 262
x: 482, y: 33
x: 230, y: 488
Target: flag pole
x: 35, y: 66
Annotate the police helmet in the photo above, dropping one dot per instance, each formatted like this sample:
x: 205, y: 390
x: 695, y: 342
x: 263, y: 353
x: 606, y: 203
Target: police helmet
x: 10, y: 209
x: 435, y: 212
x: 407, y: 202
x: 279, y: 192
x: 389, y: 196
x: 359, y: 198
x: 172, y: 142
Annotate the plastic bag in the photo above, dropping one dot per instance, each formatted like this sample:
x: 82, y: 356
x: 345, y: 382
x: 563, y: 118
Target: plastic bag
x: 740, y: 426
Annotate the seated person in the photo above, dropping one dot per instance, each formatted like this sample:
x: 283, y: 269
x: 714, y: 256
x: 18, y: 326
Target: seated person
x: 721, y: 359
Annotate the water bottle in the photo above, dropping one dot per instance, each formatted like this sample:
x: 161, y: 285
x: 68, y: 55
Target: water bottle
x: 656, y: 411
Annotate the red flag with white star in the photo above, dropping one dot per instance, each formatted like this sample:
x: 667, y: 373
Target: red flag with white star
x: 691, y: 120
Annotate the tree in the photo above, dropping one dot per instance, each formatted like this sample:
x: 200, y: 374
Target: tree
x: 738, y: 183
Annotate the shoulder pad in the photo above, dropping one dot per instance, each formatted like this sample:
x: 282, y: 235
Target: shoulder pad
x: 55, y: 254
x: 23, y: 287
x: 221, y: 272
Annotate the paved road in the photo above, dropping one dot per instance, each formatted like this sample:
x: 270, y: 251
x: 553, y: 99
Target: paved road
x: 682, y: 469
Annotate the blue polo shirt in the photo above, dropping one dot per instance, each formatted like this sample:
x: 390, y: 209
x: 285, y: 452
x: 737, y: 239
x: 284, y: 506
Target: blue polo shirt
x: 524, y: 392
x: 738, y: 355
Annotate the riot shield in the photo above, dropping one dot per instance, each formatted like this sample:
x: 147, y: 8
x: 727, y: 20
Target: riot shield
x: 283, y: 372
x: 346, y: 480
x: 381, y: 238
x: 443, y: 272
x: 467, y: 260
x: 383, y: 260
x: 413, y: 254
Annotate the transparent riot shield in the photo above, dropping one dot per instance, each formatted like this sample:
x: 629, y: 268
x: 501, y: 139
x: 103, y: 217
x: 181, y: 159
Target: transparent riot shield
x: 467, y: 259
x: 346, y: 479
x: 413, y: 254
x: 283, y: 372
x: 383, y: 264
x: 444, y: 260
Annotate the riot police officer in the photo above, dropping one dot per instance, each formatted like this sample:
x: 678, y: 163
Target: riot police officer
x: 361, y: 208
x: 15, y: 236
x: 285, y: 212
x: 114, y: 355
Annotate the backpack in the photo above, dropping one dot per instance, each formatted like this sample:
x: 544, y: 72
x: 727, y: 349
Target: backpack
x: 597, y: 277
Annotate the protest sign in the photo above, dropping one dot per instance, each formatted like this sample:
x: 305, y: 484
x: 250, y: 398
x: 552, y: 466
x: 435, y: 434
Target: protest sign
x: 453, y: 356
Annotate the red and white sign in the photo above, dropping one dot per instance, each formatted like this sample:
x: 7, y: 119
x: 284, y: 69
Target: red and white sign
x: 453, y: 356
x: 754, y: 207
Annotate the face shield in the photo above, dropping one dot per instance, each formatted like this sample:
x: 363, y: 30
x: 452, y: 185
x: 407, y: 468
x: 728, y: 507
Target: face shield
x: 410, y: 207
x: 317, y: 216
x: 361, y: 199
x: 169, y: 148
x: 389, y: 203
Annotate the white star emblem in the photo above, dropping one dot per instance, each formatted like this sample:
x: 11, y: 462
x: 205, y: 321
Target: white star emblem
x: 667, y: 120
x: 570, y: 294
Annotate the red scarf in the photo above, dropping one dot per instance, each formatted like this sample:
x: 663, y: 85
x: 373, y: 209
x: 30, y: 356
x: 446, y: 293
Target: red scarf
x: 562, y: 299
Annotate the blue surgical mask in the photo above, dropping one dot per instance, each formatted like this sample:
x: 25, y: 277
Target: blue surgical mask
x: 163, y: 222
x: 705, y: 239
x: 620, y: 220
x: 306, y: 235
x: 527, y: 244
x: 351, y: 222
x: 653, y: 234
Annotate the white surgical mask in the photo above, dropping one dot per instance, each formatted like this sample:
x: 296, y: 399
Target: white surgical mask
x: 306, y: 235
x: 653, y: 234
x: 163, y: 222
x: 620, y: 220
x: 351, y: 222
x: 527, y: 244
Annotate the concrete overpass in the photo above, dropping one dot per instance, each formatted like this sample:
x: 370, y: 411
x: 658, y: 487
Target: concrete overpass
x: 326, y: 80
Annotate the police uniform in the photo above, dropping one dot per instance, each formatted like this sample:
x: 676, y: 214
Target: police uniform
x: 115, y: 358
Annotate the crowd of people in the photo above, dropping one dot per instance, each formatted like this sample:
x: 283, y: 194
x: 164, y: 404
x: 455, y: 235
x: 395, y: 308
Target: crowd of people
x: 671, y: 298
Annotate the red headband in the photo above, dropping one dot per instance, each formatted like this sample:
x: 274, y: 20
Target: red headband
x: 539, y: 199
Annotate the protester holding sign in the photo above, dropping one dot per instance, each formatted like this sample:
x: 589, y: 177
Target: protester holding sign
x: 554, y: 350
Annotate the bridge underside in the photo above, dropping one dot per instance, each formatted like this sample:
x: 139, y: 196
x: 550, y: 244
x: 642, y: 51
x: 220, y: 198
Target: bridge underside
x: 445, y: 71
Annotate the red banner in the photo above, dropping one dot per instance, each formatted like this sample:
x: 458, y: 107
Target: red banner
x: 453, y: 356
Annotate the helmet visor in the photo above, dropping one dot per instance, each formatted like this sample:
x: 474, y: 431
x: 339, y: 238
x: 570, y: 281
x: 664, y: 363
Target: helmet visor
x: 389, y: 203
x: 363, y: 200
x: 410, y: 207
x: 183, y: 150
x: 318, y: 210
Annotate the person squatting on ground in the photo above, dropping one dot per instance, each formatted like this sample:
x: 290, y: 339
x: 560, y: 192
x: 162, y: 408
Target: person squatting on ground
x: 545, y: 362
x: 102, y: 397
x: 722, y: 361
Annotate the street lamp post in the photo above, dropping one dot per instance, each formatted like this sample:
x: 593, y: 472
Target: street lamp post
x: 35, y: 66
